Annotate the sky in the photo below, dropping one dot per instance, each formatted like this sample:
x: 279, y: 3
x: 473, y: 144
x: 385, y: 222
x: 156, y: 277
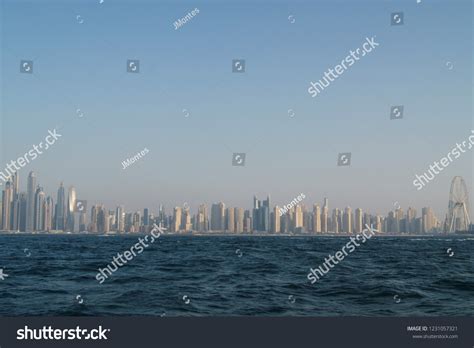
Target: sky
x: 191, y: 112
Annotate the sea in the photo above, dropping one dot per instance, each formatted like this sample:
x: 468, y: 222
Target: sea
x: 55, y: 275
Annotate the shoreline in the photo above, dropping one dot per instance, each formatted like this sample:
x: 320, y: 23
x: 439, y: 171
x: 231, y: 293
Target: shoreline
x: 220, y: 234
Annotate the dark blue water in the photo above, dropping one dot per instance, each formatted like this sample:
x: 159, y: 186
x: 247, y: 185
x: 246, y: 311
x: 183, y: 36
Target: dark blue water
x: 384, y: 277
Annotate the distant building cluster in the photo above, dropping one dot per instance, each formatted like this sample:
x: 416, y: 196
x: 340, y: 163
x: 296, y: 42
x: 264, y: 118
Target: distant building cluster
x: 34, y: 211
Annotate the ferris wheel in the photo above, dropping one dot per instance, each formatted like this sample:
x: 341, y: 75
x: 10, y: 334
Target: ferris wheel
x: 458, y: 207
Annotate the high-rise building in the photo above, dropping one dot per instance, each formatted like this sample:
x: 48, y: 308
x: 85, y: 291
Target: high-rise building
x: 23, y: 208
x: 428, y: 220
x: 411, y: 220
x: 248, y: 223
x: 230, y: 221
x: 186, y: 223
x: 136, y: 222
x: 398, y: 223
x: 105, y: 220
x: 316, y: 218
x: 266, y: 215
x: 30, y: 204
x: 358, y: 221
x: 367, y: 220
x: 162, y: 218
x: 39, y: 209
x: 218, y: 217
x: 60, y: 215
x: 176, y: 219
x: 261, y: 214
x: 16, y: 185
x: 71, y: 209
x: 100, y: 216
x: 239, y: 220
x: 256, y: 214
x: 15, y: 223
x: 347, y: 220
x: 93, y: 226
x: 16, y: 204
x: 298, y: 217
x: 120, y: 225
x: 7, y: 198
x: 48, y: 214
x: 378, y: 223
x: 202, y: 219
x: 307, y: 219
x: 276, y: 220
x: 324, y: 216
x: 336, y: 220
x: 146, y: 217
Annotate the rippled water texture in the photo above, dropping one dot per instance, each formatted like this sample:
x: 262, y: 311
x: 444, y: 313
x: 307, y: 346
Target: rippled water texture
x: 258, y: 276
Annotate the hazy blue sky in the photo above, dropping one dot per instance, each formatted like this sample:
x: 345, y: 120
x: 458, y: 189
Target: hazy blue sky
x: 190, y: 160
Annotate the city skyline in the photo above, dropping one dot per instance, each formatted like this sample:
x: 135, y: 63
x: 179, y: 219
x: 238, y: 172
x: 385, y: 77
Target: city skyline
x: 33, y: 210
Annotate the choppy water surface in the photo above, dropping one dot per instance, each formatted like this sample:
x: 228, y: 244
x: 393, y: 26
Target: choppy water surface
x: 259, y: 276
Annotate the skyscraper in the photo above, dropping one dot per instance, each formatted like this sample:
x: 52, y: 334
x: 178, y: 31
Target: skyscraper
x: 367, y: 220
x: 336, y: 220
x: 248, y: 223
x: 23, y: 207
x: 316, y: 219
x: 162, y: 219
x: 398, y: 220
x: 176, y: 219
x: 324, y: 216
x: 137, y: 219
x: 218, y: 217
x: 146, y: 217
x: 120, y: 219
x: 276, y: 220
x: 379, y: 223
x: 261, y: 214
x: 39, y: 209
x: 266, y: 215
x: 102, y: 219
x: 94, y: 218
x: 202, y: 219
x: 16, y: 206
x: 298, y: 217
x: 61, y: 209
x: 411, y: 220
x: 16, y: 185
x: 105, y: 223
x: 71, y: 208
x: 30, y: 203
x: 6, y: 206
x: 239, y: 220
x: 428, y: 220
x: 358, y: 221
x: 186, y: 223
x: 347, y: 220
x: 230, y: 221
x: 256, y: 214
x: 48, y: 214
